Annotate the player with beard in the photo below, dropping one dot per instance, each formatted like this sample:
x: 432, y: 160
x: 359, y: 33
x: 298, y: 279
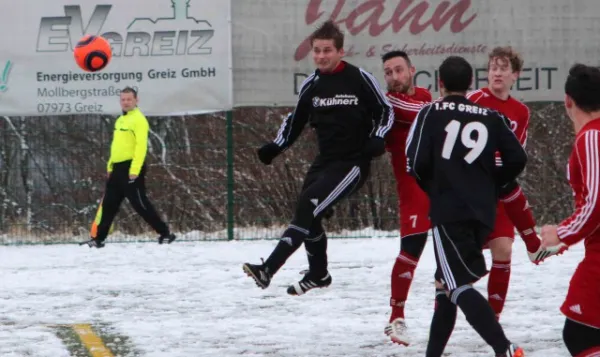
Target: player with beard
x: 413, y: 204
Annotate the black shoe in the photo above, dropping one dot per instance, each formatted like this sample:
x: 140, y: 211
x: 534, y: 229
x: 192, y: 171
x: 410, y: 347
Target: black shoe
x: 168, y: 237
x: 93, y: 243
x: 307, y: 283
x: 259, y: 273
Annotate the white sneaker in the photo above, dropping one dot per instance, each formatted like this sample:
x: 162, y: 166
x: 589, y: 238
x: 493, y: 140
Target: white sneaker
x: 543, y: 253
x: 398, y: 332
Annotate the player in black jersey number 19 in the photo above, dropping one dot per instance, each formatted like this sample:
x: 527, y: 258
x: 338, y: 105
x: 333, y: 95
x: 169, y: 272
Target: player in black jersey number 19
x: 451, y: 151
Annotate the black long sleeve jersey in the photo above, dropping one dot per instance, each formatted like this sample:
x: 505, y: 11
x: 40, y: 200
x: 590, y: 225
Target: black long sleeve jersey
x: 345, y: 107
x: 451, y: 152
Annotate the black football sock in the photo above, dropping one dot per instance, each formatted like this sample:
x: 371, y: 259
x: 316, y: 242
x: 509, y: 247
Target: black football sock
x: 290, y: 241
x: 442, y: 324
x: 480, y: 315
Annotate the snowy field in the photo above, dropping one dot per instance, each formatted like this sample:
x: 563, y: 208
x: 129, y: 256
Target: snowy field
x: 192, y: 299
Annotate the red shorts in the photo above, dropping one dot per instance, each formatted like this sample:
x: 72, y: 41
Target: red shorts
x: 582, y: 303
x: 413, y: 203
x: 504, y: 227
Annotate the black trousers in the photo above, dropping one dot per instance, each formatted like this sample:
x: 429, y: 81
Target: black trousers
x: 579, y: 338
x: 458, y: 253
x: 119, y: 187
x: 325, y: 184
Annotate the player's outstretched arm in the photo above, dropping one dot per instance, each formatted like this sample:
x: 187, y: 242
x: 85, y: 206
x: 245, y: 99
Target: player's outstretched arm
x: 586, y: 218
x: 514, y: 157
x: 290, y: 128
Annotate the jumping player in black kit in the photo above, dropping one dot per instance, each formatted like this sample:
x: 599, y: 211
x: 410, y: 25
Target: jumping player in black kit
x: 451, y: 152
x: 351, y: 116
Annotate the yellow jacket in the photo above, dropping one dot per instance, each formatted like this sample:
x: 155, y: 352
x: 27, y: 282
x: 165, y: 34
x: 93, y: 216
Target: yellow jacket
x: 130, y: 141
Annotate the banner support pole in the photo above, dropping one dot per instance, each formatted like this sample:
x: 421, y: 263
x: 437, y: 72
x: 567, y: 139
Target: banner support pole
x: 230, y: 177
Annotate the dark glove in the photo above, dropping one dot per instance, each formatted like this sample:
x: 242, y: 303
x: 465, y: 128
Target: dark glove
x: 506, y: 189
x: 375, y: 147
x: 268, y: 152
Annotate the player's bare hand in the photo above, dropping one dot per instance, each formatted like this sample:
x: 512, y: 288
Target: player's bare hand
x: 550, y: 236
x: 132, y: 178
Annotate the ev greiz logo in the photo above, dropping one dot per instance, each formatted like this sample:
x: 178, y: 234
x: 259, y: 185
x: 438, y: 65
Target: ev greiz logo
x: 178, y: 34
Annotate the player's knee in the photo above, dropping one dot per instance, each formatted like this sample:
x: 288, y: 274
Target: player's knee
x: 316, y: 231
x: 439, y: 286
x: 294, y: 236
x: 441, y: 291
x: 443, y: 307
x: 454, y: 294
x: 414, y: 244
x: 501, y: 248
x: 305, y: 210
x: 136, y: 203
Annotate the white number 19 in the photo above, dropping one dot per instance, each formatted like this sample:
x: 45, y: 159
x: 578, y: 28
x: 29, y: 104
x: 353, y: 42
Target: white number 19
x: 476, y: 145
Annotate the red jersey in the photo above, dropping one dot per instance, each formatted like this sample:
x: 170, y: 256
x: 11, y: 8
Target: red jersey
x: 406, y: 107
x: 582, y: 303
x: 516, y: 111
x: 584, y: 176
x: 413, y: 203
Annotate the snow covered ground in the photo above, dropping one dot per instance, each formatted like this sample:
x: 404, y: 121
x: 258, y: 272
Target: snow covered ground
x: 192, y: 299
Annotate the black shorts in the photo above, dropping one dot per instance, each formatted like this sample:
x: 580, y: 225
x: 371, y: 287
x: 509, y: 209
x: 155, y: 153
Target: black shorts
x: 459, y: 253
x: 580, y: 338
x: 327, y: 184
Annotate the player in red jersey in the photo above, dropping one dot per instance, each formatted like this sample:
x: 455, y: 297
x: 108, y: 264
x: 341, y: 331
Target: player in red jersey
x: 513, y: 211
x: 581, y: 307
x: 413, y: 203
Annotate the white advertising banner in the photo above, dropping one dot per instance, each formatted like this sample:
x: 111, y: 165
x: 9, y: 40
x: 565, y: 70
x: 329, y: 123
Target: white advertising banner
x: 176, y: 53
x: 272, y: 54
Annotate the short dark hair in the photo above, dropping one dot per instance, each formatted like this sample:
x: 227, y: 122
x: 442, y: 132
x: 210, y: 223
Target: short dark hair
x: 456, y: 73
x: 583, y: 86
x: 129, y: 90
x: 329, y: 31
x: 393, y: 54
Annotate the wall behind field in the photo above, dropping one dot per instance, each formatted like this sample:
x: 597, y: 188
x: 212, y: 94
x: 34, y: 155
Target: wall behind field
x: 52, y: 173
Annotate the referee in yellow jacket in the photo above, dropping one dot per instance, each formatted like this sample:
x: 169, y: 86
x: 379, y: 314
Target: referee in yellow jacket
x: 126, y: 171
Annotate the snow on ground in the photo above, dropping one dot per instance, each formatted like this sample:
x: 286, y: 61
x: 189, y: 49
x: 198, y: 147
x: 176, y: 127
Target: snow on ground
x: 192, y: 299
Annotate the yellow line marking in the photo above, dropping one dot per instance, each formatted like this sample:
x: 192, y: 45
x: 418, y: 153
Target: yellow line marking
x: 91, y: 341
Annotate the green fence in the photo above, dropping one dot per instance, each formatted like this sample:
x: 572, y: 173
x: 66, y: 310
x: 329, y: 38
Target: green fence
x: 205, y: 179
